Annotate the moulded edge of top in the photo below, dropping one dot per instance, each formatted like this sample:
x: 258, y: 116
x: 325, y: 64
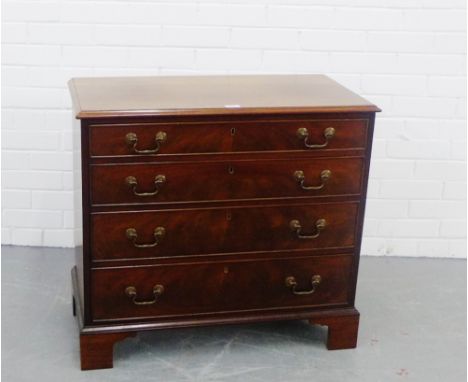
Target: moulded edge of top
x: 79, y: 113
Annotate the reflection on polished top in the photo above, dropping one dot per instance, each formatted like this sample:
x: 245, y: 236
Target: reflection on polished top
x: 211, y: 95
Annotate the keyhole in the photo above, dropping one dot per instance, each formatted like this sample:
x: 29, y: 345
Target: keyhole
x: 233, y: 131
x: 226, y: 270
x: 231, y: 170
x: 228, y: 215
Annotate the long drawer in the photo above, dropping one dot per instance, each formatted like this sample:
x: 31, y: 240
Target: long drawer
x: 166, y: 233
x: 160, y: 139
x: 224, y: 180
x: 154, y: 292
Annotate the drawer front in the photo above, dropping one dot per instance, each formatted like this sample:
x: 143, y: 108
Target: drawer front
x: 167, y: 233
x: 183, y: 182
x: 190, y: 138
x: 171, y: 290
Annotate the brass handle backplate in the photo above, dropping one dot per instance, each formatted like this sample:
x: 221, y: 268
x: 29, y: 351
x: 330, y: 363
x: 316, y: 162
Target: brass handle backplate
x: 132, y: 182
x: 132, y: 235
x: 296, y: 227
x: 325, y: 175
x: 132, y: 141
x: 131, y: 292
x: 303, y: 133
x: 291, y: 283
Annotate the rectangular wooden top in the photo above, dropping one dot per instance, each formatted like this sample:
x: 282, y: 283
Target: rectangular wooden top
x: 212, y: 95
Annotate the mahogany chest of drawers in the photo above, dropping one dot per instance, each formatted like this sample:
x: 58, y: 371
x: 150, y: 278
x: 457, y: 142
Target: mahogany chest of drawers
x: 215, y: 200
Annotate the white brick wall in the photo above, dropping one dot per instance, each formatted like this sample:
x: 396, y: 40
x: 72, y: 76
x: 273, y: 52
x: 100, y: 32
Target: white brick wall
x: 407, y: 56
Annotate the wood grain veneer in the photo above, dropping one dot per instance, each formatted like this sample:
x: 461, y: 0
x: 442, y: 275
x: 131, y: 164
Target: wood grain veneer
x: 225, y: 136
x: 212, y: 95
x: 224, y: 180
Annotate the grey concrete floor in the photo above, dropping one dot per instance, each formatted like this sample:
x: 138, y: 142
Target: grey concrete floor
x: 413, y: 328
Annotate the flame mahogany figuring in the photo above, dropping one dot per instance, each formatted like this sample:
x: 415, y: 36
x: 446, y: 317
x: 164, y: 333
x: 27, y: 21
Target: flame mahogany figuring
x: 217, y: 243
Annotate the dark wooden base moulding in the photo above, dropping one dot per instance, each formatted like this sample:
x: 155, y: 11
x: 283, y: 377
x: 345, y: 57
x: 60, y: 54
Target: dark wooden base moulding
x: 97, y: 342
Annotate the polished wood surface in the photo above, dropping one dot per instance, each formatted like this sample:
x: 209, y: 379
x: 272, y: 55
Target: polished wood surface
x: 212, y: 95
x: 224, y: 137
x: 219, y: 230
x: 97, y: 350
x: 218, y: 287
x: 231, y: 218
x: 224, y: 180
x: 342, y: 330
